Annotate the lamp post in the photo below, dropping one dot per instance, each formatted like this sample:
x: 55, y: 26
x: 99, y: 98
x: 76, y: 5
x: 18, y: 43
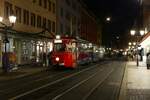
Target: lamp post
x: 131, y: 48
x: 139, y: 25
x: 137, y: 34
x: 12, y: 20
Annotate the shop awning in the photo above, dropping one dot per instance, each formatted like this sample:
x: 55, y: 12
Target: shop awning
x: 145, y: 40
x: 37, y: 35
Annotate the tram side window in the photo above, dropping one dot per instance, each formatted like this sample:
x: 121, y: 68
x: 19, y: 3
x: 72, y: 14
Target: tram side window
x: 68, y: 47
x: 71, y: 47
x: 83, y: 47
x: 59, y: 47
x: 74, y: 47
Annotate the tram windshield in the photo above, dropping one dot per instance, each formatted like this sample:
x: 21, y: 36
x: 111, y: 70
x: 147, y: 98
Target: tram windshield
x: 59, y: 47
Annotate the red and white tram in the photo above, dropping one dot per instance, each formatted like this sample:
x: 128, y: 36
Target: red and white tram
x: 69, y: 52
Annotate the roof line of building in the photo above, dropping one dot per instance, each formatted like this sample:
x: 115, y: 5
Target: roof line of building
x: 90, y: 13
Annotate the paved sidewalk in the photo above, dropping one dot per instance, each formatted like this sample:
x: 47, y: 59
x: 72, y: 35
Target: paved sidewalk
x: 21, y: 72
x: 136, y: 82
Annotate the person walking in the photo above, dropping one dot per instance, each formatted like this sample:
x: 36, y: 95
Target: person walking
x: 49, y: 58
x: 44, y: 59
x: 148, y: 60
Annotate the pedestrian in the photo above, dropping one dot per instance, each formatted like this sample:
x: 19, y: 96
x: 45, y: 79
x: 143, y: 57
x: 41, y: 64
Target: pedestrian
x: 148, y: 60
x: 5, y: 62
x: 49, y: 58
x: 44, y: 59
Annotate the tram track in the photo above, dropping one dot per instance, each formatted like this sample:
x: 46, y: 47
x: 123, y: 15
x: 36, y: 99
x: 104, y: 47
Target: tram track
x: 109, y: 89
x: 75, y: 86
x: 26, y: 79
x: 73, y: 92
x: 42, y: 78
x: 86, y: 87
x: 5, y: 86
x: 52, y: 83
x: 96, y: 86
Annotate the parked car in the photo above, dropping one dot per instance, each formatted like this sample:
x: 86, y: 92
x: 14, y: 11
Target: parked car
x: 148, y: 60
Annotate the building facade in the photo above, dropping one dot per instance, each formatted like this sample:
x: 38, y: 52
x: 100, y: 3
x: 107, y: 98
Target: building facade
x: 38, y: 21
x: 145, y: 44
x: 30, y: 39
x: 89, y: 28
x: 146, y: 15
x: 68, y: 17
x: 74, y: 19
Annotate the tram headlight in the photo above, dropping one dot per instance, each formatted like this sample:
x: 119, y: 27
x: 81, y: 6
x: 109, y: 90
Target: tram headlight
x: 57, y: 58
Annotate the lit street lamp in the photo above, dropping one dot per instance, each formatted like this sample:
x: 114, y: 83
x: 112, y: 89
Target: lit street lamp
x: 129, y: 43
x: 108, y: 19
x: 12, y: 20
x: 137, y: 34
x: 134, y: 43
x: 1, y: 19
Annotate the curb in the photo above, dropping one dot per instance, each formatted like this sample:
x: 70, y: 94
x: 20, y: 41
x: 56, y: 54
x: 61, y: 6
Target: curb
x: 122, y: 94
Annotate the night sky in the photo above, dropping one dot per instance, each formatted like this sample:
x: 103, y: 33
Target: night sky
x: 122, y: 13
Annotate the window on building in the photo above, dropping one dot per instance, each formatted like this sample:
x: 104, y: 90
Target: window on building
x: 68, y: 30
x: 74, y: 20
x: 26, y: 17
x: 61, y: 28
x: 7, y: 9
x: 49, y: 5
x: 61, y: 12
x: 53, y: 27
x: 54, y: 8
x: 74, y: 6
x: 32, y: 19
x: 148, y: 24
x: 44, y: 23
x: 49, y: 25
x: 18, y: 14
x: 34, y: 1
x: 45, y: 3
x: 40, y: 2
x: 68, y: 16
x: 74, y: 32
x: 38, y: 21
x: 67, y: 2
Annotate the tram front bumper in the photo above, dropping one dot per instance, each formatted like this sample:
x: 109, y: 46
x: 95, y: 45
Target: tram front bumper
x: 61, y: 64
x: 58, y: 64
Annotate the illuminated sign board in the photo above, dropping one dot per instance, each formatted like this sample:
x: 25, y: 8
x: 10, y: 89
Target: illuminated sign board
x: 57, y: 41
